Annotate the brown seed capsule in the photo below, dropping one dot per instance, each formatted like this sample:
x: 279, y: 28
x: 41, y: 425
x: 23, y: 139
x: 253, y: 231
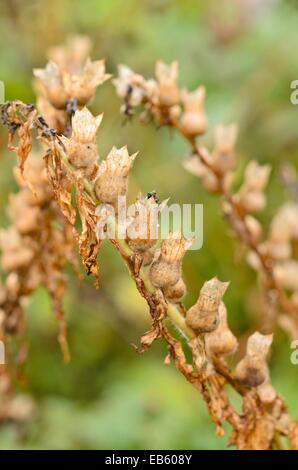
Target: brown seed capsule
x: 197, y: 168
x: 176, y: 292
x: 112, y: 177
x: 252, y: 370
x: 15, y: 253
x: 166, y: 270
x: 266, y: 393
x: 223, y: 155
x: 251, y: 195
x: 203, y: 317
x: 142, y: 229
x: 73, y: 54
x: 193, y: 121
x: 221, y: 341
x: 26, y: 218
x: 51, y: 80
x: 81, y: 147
x: 129, y: 85
x: 167, y: 77
x: 82, y: 85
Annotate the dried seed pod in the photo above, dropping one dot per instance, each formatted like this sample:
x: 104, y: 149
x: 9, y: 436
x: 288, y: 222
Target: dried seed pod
x: 25, y: 217
x: 166, y: 269
x: 71, y: 56
x: 60, y: 85
x: 221, y: 341
x: 15, y: 253
x: 174, y: 247
x: 167, y: 80
x: 251, y: 195
x: 203, y: 317
x: 142, y: 230
x: 51, y: 80
x: 197, y: 168
x: 254, y: 227
x: 266, y: 393
x: 129, y: 85
x: 252, y: 370
x: 81, y: 147
x: 112, y: 176
x: 175, y: 292
x: 55, y: 118
x: 223, y: 155
x: 287, y: 274
x: 85, y: 126
x: 284, y: 226
x: 193, y: 121
x: 82, y: 85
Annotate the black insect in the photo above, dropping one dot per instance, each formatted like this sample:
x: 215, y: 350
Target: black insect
x: 153, y: 195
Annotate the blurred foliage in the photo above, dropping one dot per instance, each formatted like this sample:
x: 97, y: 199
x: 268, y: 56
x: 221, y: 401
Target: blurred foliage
x: 246, y: 54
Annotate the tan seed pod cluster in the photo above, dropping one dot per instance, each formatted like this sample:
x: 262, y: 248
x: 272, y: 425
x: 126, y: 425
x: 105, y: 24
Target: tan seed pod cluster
x: 59, y: 85
x: 203, y: 316
x: 64, y: 60
x: 252, y: 370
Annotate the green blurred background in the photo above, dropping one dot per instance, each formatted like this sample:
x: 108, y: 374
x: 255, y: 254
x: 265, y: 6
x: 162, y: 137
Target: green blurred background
x: 245, y: 52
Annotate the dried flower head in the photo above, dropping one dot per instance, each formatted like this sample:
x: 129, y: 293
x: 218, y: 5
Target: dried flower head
x: 203, y: 316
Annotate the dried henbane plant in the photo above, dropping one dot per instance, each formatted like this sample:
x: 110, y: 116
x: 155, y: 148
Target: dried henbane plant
x: 73, y: 166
